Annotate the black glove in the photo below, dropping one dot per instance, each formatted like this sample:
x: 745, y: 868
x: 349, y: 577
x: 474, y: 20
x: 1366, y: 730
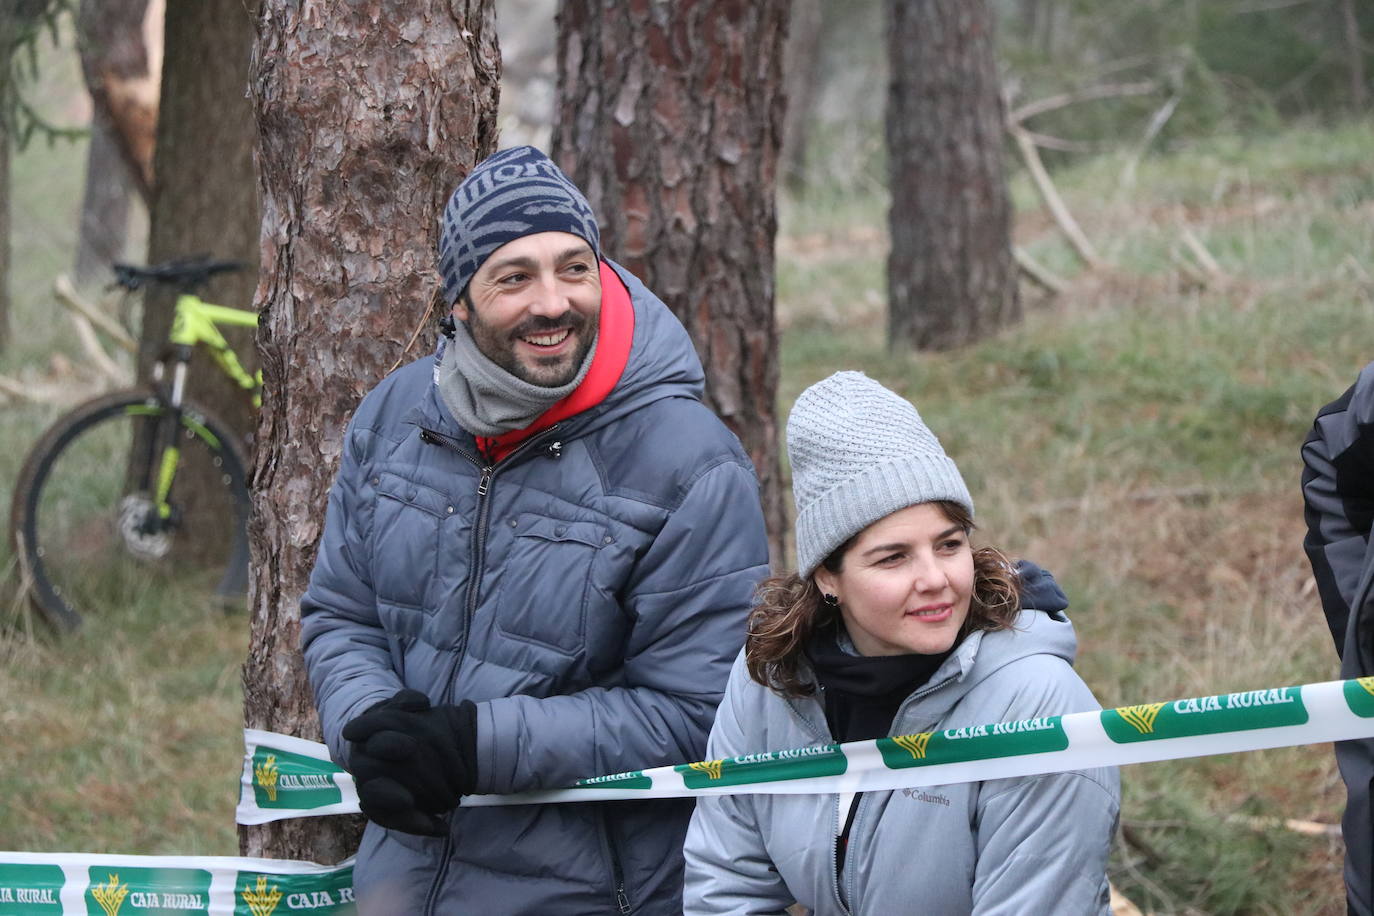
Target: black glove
x: 412, y: 761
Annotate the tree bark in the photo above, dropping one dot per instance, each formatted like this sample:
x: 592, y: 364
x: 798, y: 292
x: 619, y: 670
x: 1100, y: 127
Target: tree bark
x: 16, y: 18
x: 369, y: 114
x: 105, y: 205
x: 801, y: 69
x: 670, y: 120
x: 1354, y: 52
x: 113, y: 59
x: 205, y: 197
x: 4, y: 237
x: 951, y: 273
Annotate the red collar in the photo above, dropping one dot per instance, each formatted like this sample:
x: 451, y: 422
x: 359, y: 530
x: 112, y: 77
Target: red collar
x: 615, y: 332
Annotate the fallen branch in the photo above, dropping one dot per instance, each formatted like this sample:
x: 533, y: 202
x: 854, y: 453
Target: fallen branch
x: 1086, y: 94
x: 1200, y: 252
x: 1037, y: 272
x: 16, y: 391
x: 1045, y: 141
x: 66, y: 294
x: 1050, y: 195
x: 1189, y: 270
x: 101, y: 360
x: 1157, y: 122
x: 1307, y: 828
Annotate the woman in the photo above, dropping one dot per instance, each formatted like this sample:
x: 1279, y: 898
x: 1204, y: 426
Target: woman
x: 895, y: 625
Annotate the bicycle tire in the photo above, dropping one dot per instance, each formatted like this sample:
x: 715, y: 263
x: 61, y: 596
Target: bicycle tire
x: 74, y: 517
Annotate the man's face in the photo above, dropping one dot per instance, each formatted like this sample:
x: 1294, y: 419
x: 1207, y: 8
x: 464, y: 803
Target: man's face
x: 533, y: 305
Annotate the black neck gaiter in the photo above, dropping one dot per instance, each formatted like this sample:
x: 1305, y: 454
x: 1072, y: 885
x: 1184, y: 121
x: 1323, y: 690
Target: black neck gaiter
x: 862, y: 693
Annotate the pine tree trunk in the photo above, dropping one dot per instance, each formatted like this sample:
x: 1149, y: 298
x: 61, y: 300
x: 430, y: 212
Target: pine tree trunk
x: 369, y: 115
x: 205, y: 196
x: 105, y: 205
x: 801, y: 73
x: 110, y: 40
x: 670, y: 119
x: 4, y: 238
x: 951, y: 277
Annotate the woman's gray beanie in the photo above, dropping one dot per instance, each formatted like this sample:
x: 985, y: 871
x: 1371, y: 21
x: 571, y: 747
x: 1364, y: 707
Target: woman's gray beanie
x: 859, y: 452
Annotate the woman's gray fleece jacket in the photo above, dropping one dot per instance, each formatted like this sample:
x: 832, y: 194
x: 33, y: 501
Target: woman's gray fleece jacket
x: 1009, y: 846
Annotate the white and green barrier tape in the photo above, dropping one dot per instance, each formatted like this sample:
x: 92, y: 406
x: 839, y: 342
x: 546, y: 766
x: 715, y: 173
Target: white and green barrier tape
x: 287, y: 777
x: 52, y: 884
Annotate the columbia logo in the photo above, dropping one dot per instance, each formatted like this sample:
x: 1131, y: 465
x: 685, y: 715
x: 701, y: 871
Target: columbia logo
x: 1142, y: 718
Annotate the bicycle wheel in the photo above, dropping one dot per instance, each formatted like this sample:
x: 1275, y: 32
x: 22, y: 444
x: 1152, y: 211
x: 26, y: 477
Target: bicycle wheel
x: 84, y: 518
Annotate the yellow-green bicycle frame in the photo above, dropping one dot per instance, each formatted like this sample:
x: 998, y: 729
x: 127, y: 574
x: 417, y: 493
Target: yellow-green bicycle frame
x: 196, y: 322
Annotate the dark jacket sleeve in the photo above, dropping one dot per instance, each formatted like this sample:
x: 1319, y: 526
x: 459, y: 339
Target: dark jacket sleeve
x: 688, y: 598
x: 1338, y: 499
x: 346, y: 650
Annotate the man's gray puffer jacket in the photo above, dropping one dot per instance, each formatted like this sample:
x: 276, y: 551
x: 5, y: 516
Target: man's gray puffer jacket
x: 1009, y: 846
x: 588, y: 592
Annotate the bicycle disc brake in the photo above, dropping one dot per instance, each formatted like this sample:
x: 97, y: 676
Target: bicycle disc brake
x: 143, y: 533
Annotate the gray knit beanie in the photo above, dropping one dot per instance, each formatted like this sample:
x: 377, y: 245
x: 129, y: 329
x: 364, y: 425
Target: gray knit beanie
x: 859, y: 453
x: 510, y: 194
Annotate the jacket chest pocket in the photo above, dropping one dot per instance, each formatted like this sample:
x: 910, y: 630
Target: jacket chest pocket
x: 405, y: 540
x: 544, y: 584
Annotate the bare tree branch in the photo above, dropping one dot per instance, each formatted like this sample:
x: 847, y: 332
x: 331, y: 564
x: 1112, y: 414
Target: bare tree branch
x: 1086, y: 94
x: 1031, y: 156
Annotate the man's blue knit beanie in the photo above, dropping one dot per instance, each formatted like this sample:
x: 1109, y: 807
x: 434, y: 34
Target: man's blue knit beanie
x: 510, y: 194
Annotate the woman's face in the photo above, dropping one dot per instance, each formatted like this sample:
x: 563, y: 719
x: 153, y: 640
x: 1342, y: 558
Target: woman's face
x: 905, y: 583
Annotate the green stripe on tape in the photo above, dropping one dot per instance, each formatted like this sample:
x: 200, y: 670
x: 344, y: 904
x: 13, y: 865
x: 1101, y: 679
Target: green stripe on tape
x: 259, y: 894
x: 1359, y: 695
x: 1228, y: 712
x: 30, y: 890
x: 632, y: 780
x: 769, y: 766
x: 161, y: 891
x: 282, y: 779
x: 978, y: 742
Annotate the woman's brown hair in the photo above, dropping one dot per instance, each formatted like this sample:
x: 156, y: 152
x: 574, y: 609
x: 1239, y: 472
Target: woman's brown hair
x: 788, y: 610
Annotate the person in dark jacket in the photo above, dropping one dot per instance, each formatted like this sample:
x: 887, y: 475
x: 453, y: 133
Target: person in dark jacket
x: 537, y: 564
x: 1338, y: 499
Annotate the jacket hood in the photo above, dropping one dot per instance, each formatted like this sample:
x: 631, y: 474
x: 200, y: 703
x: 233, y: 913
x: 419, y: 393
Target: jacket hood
x: 663, y: 362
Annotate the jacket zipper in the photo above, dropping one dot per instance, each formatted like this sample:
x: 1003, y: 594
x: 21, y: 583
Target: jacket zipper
x: 622, y: 899
x: 849, y: 880
x: 479, y: 543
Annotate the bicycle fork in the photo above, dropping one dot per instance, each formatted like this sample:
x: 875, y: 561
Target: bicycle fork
x: 167, y: 451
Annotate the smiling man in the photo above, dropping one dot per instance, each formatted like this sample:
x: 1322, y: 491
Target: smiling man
x: 537, y: 563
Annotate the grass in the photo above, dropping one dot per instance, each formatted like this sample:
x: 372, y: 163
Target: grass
x: 1138, y: 435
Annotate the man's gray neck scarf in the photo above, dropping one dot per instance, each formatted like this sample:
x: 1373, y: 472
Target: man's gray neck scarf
x: 485, y: 399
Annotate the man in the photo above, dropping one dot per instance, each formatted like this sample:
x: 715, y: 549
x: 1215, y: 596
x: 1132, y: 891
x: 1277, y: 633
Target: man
x: 1338, y: 493
x: 537, y: 565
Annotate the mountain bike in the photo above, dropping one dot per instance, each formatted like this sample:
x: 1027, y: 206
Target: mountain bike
x: 140, y: 489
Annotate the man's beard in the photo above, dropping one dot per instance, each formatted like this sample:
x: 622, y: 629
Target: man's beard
x: 547, y: 372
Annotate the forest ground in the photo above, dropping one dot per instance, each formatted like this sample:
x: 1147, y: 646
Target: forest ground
x: 1138, y: 435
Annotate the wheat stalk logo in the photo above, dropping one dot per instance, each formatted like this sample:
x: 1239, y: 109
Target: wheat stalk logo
x: 710, y: 767
x: 264, y: 900
x: 110, y: 895
x: 1142, y: 718
x: 1367, y: 683
x: 914, y: 744
x: 266, y: 774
